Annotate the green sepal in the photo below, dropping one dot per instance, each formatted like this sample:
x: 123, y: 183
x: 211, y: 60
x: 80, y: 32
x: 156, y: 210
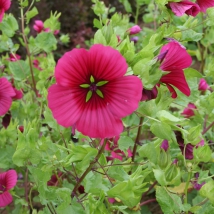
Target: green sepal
x: 88, y: 96
x: 84, y: 85
x: 91, y: 79
x: 99, y: 93
x: 101, y: 83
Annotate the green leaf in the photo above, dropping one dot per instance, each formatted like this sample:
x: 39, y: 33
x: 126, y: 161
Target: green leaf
x: 161, y: 130
x: 9, y: 25
x: 46, y: 41
x: 167, y: 117
x: 170, y: 203
x: 20, y: 69
x: 31, y: 13
x: 194, y: 135
x: 202, y: 153
x: 127, y: 5
x: 99, y: 38
x: 191, y: 35
x: 125, y: 142
x: 207, y: 190
x: 97, y: 23
x: 160, y: 176
x: 148, y: 108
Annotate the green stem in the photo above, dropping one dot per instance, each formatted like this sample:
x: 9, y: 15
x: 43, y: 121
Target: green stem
x: 89, y: 168
x: 137, y: 14
x: 27, y: 48
x: 186, y: 188
x: 137, y: 139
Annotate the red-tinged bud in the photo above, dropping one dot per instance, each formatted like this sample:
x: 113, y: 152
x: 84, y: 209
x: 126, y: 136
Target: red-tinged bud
x: 14, y: 57
x: 189, y: 110
x: 21, y: 129
x: 164, y: 145
x: 134, y: 30
x: 149, y: 94
x: 203, y: 86
x: 38, y: 26
x: 195, y: 183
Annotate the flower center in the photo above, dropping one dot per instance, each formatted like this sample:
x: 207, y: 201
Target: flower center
x: 93, y: 87
x: 2, y: 188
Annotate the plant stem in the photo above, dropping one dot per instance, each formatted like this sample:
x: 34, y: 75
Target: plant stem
x: 150, y: 188
x: 186, y: 188
x: 27, y: 49
x: 89, y: 168
x: 137, y: 13
x: 26, y: 186
x: 137, y: 139
x: 207, y: 129
x: 148, y: 201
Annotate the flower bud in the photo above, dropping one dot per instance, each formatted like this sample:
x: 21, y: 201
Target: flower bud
x: 164, y: 145
x: 134, y: 30
x: 189, y: 110
x: 172, y: 172
x: 203, y: 86
x: 164, y: 159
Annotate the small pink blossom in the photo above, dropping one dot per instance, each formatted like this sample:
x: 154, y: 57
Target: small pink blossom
x: 189, y: 110
x: 185, y: 6
x: 174, y: 58
x: 4, y: 6
x: 195, y: 183
x: 14, y: 57
x: 92, y: 93
x: 38, y: 26
x: 134, y: 39
x: 36, y: 64
x: 6, y: 94
x: 56, y: 32
x: 7, y: 181
x: 134, y: 30
x: 203, y: 86
x: 205, y: 4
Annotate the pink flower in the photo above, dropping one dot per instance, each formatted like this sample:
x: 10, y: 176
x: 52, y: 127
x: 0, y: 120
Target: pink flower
x: 56, y: 32
x: 188, y: 7
x: 189, y: 110
x: 6, y: 94
x: 7, y: 181
x: 195, y: 183
x: 204, y: 4
x: 203, y: 86
x: 134, y: 30
x: 92, y: 93
x: 174, y: 58
x: 14, y: 57
x: 38, y: 26
x: 4, y: 6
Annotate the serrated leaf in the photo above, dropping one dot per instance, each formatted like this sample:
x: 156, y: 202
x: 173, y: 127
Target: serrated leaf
x: 125, y: 142
x: 31, y: 13
x: 161, y: 130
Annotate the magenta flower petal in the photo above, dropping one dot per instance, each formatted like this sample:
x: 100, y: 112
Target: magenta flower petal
x: 5, y: 199
x: 64, y: 111
x: 6, y: 94
x: 177, y: 79
x: 18, y: 95
x: 92, y: 92
x: 4, y: 6
x: 106, y: 63
x: 188, y: 7
x: 11, y: 179
x: 72, y: 68
x: 97, y: 120
x: 38, y: 26
x: 120, y: 99
x: 205, y: 4
x: 176, y: 56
